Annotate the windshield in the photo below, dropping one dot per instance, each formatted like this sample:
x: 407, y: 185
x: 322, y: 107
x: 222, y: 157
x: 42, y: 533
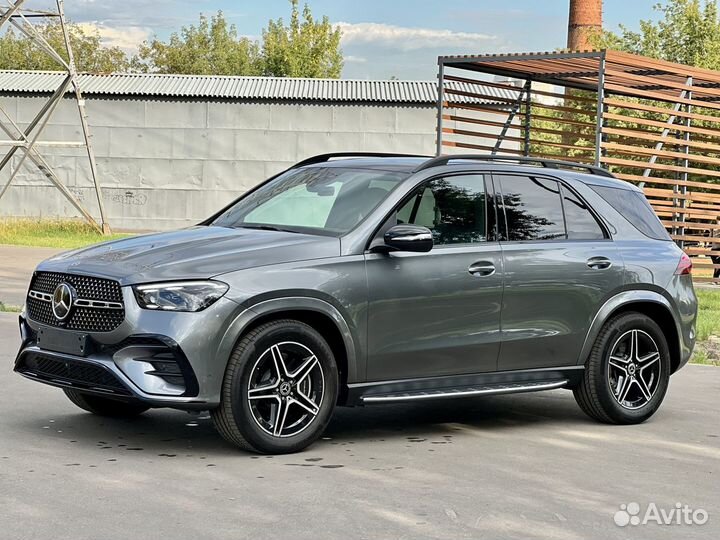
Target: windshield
x: 316, y: 200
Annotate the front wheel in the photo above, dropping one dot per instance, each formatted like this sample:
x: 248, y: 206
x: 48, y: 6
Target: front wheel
x: 280, y: 389
x: 628, y: 371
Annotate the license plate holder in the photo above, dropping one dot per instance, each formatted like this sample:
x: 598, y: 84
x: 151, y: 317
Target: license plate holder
x: 62, y: 341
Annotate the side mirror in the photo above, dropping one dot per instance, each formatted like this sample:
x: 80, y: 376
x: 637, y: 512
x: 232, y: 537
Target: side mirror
x: 409, y: 238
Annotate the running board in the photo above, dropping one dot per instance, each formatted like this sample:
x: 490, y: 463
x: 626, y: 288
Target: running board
x: 465, y: 391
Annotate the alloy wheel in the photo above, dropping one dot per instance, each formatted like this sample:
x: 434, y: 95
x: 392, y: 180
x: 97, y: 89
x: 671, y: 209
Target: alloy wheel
x: 286, y: 389
x: 634, y: 369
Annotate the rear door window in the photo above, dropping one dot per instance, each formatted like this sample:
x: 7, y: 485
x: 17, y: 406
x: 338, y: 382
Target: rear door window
x: 532, y: 207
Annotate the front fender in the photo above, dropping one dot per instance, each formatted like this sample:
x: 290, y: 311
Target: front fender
x: 618, y: 301
x: 294, y: 303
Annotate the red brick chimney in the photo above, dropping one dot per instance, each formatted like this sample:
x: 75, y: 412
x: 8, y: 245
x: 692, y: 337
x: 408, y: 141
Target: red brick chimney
x: 585, y: 19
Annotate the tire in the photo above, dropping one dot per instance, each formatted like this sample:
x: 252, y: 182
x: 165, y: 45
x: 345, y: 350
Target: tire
x: 105, y: 406
x: 620, y: 373
x: 258, y: 389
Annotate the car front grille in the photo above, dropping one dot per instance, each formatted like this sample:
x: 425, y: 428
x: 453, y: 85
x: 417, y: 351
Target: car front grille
x: 82, y: 318
x: 70, y: 372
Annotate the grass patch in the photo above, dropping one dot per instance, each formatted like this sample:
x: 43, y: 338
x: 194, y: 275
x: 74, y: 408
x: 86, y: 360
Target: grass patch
x: 703, y: 357
x: 708, y: 321
x: 707, y: 349
x: 4, y: 308
x: 57, y: 233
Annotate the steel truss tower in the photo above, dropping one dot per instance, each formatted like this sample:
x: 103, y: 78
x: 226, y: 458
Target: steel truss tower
x: 14, y: 14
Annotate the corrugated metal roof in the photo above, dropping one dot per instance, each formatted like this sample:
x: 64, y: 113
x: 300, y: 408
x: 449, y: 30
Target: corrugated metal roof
x: 233, y: 87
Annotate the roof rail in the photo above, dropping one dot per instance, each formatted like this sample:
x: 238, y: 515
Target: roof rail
x: 549, y: 163
x: 322, y: 158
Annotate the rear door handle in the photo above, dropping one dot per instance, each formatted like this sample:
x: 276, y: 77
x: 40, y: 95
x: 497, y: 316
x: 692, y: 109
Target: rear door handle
x: 599, y: 263
x: 482, y: 268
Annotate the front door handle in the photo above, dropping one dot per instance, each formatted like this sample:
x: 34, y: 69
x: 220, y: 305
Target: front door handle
x: 482, y: 268
x: 599, y: 263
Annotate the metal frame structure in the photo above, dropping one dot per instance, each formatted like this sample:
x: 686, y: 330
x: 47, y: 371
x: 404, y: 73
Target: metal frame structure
x: 28, y: 139
x: 651, y: 122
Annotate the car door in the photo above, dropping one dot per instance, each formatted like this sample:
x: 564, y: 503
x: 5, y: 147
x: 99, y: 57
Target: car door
x: 438, y: 313
x: 560, y: 266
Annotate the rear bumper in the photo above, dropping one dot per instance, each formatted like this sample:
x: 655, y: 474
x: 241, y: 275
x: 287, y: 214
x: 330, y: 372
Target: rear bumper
x: 682, y: 291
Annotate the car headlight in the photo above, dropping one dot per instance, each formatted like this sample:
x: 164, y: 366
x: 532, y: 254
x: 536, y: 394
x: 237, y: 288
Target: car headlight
x: 179, y: 296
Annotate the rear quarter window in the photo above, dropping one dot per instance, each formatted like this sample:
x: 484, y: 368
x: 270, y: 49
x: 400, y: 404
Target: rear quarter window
x: 636, y: 209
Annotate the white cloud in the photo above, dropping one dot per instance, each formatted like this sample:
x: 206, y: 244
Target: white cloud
x: 409, y: 39
x: 127, y: 38
x: 355, y: 59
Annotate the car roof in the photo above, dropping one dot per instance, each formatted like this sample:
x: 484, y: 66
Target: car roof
x: 396, y: 163
x: 409, y: 164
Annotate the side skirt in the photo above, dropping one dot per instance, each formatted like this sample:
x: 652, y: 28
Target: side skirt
x: 500, y: 382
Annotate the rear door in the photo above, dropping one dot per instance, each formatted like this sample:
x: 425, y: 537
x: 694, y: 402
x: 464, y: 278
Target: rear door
x: 560, y: 266
x: 438, y: 313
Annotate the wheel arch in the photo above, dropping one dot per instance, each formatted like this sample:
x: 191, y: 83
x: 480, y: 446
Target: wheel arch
x: 649, y: 303
x: 320, y: 315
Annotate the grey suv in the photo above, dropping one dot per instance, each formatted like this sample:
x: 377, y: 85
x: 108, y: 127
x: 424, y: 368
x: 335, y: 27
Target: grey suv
x: 365, y: 278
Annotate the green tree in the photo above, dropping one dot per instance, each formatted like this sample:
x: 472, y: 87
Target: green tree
x: 213, y: 47
x: 19, y: 52
x: 688, y: 33
x: 307, y: 47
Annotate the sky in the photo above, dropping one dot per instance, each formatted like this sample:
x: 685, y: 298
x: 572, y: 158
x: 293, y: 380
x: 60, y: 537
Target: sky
x: 381, y: 38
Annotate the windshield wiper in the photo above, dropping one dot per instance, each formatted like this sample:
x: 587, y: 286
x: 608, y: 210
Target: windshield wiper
x: 265, y: 228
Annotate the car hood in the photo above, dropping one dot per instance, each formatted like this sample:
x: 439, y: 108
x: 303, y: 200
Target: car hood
x: 195, y: 253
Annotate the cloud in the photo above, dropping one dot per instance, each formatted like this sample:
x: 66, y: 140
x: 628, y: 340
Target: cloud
x: 127, y: 38
x: 409, y: 39
x: 159, y: 15
x: 355, y: 59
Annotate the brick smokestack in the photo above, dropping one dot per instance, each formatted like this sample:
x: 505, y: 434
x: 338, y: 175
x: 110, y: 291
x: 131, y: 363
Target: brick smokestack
x: 585, y: 20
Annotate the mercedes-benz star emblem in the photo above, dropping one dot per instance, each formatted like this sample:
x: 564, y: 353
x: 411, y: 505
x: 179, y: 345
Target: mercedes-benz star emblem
x: 62, y: 301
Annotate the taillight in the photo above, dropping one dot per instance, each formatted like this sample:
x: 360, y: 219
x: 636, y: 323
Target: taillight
x: 684, y: 267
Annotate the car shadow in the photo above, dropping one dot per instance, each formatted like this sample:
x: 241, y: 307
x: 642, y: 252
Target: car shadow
x: 173, y: 433
x: 443, y: 417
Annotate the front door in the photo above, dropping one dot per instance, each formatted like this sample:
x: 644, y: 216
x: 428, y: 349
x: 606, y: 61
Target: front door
x: 560, y: 266
x: 438, y: 313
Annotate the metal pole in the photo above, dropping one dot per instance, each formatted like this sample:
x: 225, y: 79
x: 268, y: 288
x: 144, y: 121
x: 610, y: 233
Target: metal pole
x: 49, y: 173
x: 9, y: 13
x: 528, y: 118
x: 670, y: 121
x: 83, y: 118
x: 511, y: 116
x: 600, y: 109
x: 440, y: 103
x: 28, y: 29
x: 57, y: 95
x: 686, y: 164
x: 32, y: 141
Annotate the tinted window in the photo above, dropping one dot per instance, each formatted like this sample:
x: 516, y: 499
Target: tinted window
x: 533, y: 209
x: 326, y: 200
x: 453, y: 208
x: 634, y: 207
x: 579, y: 221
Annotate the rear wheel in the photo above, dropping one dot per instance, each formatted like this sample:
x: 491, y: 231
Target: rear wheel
x: 280, y: 389
x: 628, y: 371
x: 105, y: 406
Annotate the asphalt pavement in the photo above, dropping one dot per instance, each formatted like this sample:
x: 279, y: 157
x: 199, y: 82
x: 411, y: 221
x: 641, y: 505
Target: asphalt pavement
x: 16, y: 267
x: 526, y: 466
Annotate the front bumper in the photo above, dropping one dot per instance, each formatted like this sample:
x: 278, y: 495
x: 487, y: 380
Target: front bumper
x: 165, y: 359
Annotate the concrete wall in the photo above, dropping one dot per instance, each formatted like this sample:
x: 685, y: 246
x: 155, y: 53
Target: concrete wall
x: 169, y: 163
